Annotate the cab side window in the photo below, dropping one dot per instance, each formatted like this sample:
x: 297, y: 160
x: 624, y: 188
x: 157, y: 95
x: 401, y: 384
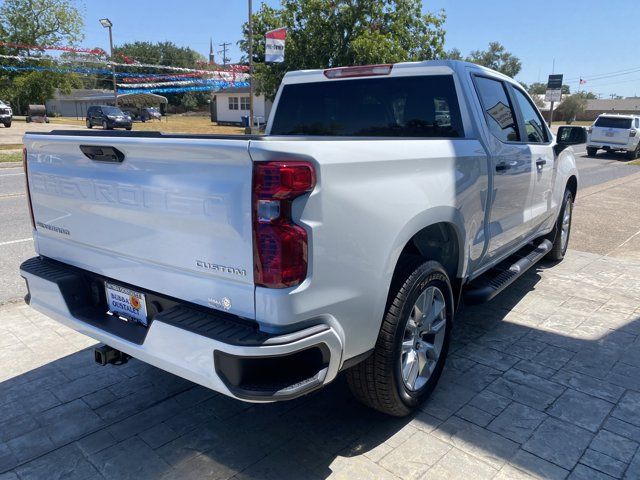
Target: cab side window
x: 533, y: 123
x: 497, y: 109
x: 637, y: 123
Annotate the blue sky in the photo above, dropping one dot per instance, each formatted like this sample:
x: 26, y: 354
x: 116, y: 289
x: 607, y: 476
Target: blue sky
x: 591, y: 39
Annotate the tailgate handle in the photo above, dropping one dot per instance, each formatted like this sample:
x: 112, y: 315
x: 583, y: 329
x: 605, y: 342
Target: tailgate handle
x: 99, y: 153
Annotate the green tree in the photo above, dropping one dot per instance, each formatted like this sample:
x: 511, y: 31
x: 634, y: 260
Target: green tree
x: 334, y: 33
x: 497, y: 58
x: 42, y: 22
x: 164, y: 53
x: 572, y: 106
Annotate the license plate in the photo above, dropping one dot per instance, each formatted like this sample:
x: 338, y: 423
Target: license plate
x: 126, y: 303
x: 609, y: 134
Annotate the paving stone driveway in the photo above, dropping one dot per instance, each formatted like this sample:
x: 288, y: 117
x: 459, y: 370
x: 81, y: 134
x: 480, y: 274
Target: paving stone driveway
x: 543, y: 382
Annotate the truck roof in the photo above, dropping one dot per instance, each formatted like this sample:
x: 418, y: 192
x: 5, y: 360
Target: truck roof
x: 433, y: 67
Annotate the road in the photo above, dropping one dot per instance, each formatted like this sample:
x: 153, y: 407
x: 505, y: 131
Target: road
x: 15, y: 232
x: 13, y: 135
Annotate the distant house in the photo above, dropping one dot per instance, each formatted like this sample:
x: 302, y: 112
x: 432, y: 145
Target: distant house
x: 79, y: 100
x: 231, y: 104
x: 595, y: 107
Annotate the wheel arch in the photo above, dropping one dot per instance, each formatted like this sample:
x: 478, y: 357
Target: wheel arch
x: 440, y: 238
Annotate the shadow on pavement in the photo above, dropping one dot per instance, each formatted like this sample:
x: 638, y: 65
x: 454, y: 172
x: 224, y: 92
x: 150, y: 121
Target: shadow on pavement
x: 516, y: 390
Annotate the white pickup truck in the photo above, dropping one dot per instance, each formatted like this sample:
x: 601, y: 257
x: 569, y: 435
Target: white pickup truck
x: 342, y: 239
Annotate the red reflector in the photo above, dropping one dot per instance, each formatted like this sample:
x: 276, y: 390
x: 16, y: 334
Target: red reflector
x: 360, y: 71
x: 26, y: 176
x: 279, y: 245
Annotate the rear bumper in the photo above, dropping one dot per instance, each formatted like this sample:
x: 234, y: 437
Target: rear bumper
x: 225, y: 354
x: 627, y: 147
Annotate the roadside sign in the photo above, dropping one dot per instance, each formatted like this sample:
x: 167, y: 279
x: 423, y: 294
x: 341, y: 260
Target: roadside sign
x: 553, y: 95
x: 554, y: 82
x: 274, y: 45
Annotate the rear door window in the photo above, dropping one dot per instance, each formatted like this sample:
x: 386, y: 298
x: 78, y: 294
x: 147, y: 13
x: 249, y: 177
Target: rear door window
x: 613, y: 122
x: 417, y: 106
x: 497, y: 109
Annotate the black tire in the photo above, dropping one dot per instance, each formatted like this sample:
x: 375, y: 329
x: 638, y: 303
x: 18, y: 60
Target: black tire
x: 89, y: 124
x: 105, y: 125
x: 591, y: 152
x: 559, y: 248
x: 7, y: 124
x: 128, y: 128
x: 377, y: 381
x: 634, y: 154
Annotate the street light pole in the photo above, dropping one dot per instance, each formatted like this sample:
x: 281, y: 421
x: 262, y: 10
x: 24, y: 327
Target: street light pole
x: 106, y: 23
x: 250, y: 66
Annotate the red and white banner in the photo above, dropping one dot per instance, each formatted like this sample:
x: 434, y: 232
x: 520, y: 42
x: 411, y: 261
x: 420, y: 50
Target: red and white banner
x: 274, y: 46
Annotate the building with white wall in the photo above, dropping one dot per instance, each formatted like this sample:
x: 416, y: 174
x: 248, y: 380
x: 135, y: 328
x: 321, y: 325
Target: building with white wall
x: 231, y: 104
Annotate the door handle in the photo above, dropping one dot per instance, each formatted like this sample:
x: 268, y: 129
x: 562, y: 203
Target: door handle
x: 540, y: 163
x: 501, y: 167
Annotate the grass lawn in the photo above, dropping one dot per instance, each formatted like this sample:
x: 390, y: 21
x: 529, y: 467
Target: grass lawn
x: 11, y: 146
x: 171, y: 124
x: 11, y: 157
x: 635, y: 162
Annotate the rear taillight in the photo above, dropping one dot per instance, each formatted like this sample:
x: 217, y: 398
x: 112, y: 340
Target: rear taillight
x: 279, y: 245
x: 589, y: 129
x: 632, y: 132
x: 25, y: 166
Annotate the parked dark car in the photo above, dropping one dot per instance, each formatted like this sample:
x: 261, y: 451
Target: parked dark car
x: 107, y: 117
x: 143, y: 114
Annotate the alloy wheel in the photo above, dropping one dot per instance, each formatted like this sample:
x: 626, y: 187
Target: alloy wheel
x: 423, y: 338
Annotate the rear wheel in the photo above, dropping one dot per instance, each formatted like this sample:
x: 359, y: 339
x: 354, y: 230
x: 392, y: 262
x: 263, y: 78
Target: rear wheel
x: 412, y: 344
x: 591, y: 152
x: 562, y: 230
x: 634, y: 154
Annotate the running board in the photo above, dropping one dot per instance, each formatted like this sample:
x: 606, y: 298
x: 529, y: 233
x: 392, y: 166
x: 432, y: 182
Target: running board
x: 491, y: 283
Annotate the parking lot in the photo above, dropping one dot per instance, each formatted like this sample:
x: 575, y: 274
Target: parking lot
x: 544, y: 381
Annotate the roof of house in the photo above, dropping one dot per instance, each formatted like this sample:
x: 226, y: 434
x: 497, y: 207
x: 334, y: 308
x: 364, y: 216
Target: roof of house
x: 95, y: 95
x: 234, y: 90
x: 625, y: 104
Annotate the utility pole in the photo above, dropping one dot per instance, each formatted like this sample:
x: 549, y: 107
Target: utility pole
x: 224, y: 46
x: 613, y: 96
x: 250, y: 66
x: 106, y: 23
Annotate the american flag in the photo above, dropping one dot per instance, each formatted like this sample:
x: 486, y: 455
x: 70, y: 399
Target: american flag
x: 582, y: 82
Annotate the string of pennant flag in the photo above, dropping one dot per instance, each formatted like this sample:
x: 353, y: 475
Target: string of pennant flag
x: 185, y: 80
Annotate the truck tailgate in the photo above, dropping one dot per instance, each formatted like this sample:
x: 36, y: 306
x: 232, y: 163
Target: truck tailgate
x: 173, y: 217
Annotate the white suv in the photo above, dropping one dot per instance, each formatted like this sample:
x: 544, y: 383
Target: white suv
x: 615, y: 133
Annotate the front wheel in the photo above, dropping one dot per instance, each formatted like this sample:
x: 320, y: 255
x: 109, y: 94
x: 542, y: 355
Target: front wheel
x: 7, y: 124
x: 634, y: 154
x: 562, y: 230
x: 89, y: 124
x: 412, y: 345
x: 591, y: 152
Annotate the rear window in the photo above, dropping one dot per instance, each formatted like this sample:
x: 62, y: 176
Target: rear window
x: 424, y: 106
x: 613, y: 122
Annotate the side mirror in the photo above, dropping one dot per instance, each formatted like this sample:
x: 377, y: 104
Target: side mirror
x: 569, y: 135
